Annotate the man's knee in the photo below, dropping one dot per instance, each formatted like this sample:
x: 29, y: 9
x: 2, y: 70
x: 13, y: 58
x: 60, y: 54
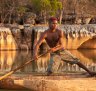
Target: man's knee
x: 74, y: 61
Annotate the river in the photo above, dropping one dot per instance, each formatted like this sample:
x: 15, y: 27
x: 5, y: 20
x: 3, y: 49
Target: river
x: 9, y: 60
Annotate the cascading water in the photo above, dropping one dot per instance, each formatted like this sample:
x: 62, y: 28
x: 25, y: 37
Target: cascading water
x: 75, y: 36
x: 7, y: 41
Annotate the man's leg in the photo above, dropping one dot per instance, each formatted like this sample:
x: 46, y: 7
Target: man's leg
x: 86, y: 69
x: 69, y: 58
x: 80, y: 65
x: 54, y: 63
x: 49, y: 69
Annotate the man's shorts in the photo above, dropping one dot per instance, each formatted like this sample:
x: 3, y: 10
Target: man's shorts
x: 65, y: 56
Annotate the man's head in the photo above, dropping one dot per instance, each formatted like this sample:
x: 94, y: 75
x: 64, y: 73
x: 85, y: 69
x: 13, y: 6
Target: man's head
x: 53, y: 22
x: 51, y: 19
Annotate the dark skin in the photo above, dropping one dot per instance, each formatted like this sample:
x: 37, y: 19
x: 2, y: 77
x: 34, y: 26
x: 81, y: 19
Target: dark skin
x: 53, y: 37
x: 50, y: 34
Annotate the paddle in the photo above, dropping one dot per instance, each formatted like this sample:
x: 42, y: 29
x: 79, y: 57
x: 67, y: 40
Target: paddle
x: 11, y: 72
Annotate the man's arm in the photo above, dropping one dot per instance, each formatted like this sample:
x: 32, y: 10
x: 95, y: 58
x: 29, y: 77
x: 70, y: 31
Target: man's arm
x: 35, y: 49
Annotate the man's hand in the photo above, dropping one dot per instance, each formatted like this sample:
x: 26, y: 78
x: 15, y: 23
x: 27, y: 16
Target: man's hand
x: 35, y: 57
x: 58, y: 47
x: 52, y: 50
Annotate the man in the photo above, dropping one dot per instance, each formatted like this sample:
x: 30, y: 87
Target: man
x: 53, y: 37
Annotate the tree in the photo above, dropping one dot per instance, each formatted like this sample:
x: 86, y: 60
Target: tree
x: 11, y: 10
x: 7, y: 7
x: 41, y: 8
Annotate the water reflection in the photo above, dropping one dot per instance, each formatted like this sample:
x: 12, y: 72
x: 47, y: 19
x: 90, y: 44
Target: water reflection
x: 10, y: 60
x: 7, y: 58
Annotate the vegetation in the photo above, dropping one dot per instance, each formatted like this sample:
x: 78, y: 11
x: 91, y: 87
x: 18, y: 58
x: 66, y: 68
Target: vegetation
x: 17, y: 11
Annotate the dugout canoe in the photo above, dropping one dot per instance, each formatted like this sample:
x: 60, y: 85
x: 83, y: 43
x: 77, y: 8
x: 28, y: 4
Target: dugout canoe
x: 9, y: 84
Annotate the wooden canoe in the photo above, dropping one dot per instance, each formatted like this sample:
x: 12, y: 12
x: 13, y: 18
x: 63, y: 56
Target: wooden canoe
x: 9, y: 84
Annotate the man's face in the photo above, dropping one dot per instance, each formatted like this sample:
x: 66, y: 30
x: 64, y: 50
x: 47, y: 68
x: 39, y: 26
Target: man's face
x: 53, y: 24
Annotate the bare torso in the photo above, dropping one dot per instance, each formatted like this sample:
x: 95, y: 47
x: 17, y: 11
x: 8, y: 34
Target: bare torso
x: 52, y: 38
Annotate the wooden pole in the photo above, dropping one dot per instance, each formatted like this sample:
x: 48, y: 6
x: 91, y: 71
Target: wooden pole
x: 11, y: 72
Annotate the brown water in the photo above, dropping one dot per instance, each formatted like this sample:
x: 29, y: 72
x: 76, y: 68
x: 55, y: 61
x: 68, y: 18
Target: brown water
x: 10, y: 60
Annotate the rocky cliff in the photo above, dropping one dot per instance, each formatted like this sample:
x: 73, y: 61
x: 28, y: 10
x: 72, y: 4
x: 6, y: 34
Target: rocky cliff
x: 75, y: 36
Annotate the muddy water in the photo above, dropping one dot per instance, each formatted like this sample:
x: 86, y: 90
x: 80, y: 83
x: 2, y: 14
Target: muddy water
x: 10, y: 60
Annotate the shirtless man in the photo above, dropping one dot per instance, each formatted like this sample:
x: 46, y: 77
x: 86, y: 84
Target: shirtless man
x: 53, y: 37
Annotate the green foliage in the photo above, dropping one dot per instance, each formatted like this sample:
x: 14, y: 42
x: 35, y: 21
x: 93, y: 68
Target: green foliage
x: 21, y: 9
x: 39, y: 5
x: 55, y: 6
x: 45, y: 4
x: 36, y: 5
x: 50, y: 6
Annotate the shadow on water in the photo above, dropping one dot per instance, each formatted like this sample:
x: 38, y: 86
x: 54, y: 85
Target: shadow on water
x: 10, y: 60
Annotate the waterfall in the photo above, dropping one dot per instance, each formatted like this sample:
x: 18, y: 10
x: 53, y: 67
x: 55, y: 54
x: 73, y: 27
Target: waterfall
x: 7, y: 41
x: 75, y: 36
